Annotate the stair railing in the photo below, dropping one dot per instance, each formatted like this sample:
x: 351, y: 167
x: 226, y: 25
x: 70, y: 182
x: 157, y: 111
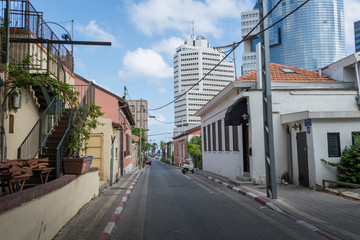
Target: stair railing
x: 38, y: 135
x: 62, y: 150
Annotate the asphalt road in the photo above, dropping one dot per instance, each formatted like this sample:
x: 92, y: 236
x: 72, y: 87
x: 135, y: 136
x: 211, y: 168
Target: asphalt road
x: 166, y: 204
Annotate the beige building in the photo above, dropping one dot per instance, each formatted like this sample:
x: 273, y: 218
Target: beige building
x: 135, y: 109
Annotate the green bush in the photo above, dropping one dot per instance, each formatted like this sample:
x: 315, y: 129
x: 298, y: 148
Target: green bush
x: 349, y: 166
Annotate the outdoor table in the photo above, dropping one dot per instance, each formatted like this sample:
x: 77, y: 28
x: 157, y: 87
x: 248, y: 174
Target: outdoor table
x: 41, y: 172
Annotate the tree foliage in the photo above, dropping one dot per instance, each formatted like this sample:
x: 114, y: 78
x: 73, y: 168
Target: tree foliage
x: 349, y: 166
x: 195, y: 150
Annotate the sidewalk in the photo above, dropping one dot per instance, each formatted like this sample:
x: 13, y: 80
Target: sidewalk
x: 330, y: 213
x: 93, y: 218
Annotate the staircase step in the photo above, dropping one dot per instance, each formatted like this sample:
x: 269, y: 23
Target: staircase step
x: 243, y: 178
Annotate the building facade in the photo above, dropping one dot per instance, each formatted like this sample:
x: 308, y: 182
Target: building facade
x: 143, y: 119
x: 248, y: 22
x: 311, y: 38
x: 192, y: 61
x: 357, y: 35
x: 233, y: 128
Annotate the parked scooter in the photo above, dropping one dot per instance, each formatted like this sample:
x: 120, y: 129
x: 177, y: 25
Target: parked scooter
x: 186, y: 166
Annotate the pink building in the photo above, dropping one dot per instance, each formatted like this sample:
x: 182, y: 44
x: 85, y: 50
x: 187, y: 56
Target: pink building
x: 110, y: 144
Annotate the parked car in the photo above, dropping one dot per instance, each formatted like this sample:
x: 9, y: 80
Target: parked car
x: 148, y: 161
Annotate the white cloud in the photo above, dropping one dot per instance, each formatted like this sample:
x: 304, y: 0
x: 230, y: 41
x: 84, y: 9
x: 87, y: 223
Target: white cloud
x: 145, y: 63
x: 154, y: 16
x: 162, y: 90
x: 351, y: 15
x: 158, y: 120
x: 96, y: 33
x: 168, y: 46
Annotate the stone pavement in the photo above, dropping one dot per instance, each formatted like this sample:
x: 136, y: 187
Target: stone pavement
x: 333, y: 214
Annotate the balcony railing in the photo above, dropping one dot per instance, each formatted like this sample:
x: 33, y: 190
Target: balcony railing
x: 26, y: 22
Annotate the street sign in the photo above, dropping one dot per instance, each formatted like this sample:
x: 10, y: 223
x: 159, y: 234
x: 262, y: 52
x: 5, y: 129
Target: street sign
x: 196, y: 139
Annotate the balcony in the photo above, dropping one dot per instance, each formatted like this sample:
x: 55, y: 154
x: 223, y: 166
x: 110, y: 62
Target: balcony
x: 26, y: 22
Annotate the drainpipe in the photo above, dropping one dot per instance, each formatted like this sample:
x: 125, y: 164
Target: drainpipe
x: 289, y: 155
x: 357, y: 71
x: 7, y: 54
x: 112, y: 160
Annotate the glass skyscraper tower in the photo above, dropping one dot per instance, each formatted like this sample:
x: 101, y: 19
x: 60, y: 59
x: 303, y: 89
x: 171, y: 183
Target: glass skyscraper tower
x: 357, y: 36
x: 310, y: 38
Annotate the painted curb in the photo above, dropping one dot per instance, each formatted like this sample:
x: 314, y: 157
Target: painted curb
x: 269, y: 204
x: 110, y: 226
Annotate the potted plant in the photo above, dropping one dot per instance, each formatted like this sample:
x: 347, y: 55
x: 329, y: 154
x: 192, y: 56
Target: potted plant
x: 83, y: 121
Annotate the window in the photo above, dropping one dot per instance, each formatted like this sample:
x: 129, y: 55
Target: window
x: 352, y: 137
x: 209, y: 139
x: 227, y: 144
x: 214, y: 136
x: 219, y: 136
x: 333, y: 144
x: 204, y: 134
x: 235, y: 138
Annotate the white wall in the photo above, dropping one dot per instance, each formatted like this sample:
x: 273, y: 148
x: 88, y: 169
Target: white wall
x: 24, y: 120
x: 225, y: 163
x: 43, y: 217
x: 320, y: 128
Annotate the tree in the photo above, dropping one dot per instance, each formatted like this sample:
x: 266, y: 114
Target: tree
x: 349, y: 166
x: 136, y: 132
x: 162, y: 148
x: 153, y: 148
x: 192, y: 147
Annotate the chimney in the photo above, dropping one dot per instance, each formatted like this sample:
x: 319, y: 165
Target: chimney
x: 320, y: 74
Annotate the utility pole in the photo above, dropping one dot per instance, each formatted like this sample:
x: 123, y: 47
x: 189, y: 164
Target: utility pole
x: 267, y: 106
x: 140, y: 151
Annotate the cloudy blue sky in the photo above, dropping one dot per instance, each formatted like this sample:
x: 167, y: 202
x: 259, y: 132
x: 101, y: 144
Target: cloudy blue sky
x: 144, y: 35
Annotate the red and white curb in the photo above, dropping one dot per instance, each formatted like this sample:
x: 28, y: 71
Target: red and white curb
x: 115, y: 217
x: 269, y: 204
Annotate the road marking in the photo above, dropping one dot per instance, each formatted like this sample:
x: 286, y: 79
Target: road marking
x: 91, y: 225
x: 207, y: 189
x: 187, y: 177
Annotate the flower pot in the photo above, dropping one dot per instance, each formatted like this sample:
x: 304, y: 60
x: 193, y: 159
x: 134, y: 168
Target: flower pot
x: 76, y: 166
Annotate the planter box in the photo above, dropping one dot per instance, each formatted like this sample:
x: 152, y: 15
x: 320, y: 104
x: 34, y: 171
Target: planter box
x: 76, y: 166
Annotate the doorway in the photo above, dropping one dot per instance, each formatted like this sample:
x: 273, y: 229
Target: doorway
x: 246, y: 150
x: 303, y: 164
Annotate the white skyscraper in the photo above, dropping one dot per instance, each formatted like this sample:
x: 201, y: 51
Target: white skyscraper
x: 248, y: 21
x: 192, y: 61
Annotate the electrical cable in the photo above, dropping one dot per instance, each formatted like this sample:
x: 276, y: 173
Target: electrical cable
x: 127, y: 93
x: 234, y: 46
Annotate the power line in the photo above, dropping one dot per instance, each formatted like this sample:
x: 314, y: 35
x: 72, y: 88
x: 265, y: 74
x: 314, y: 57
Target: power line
x: 158, y: 134
x: 234, y: 46
x: 127, y: 93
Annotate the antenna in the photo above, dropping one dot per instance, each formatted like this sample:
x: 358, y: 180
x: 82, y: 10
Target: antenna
x: 193, y: 30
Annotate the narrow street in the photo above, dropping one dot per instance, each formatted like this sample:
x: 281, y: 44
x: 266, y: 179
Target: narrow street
x: 165, y: 204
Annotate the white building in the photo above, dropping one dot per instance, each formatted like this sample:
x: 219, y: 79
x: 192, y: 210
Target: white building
x: 192, y: 61
x: 314, y: 117
x: 248, y: 22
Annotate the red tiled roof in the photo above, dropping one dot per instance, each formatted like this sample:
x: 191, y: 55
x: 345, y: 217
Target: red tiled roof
x: 300, y: 75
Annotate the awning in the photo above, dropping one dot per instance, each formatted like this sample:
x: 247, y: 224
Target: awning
x: 234, y: 114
